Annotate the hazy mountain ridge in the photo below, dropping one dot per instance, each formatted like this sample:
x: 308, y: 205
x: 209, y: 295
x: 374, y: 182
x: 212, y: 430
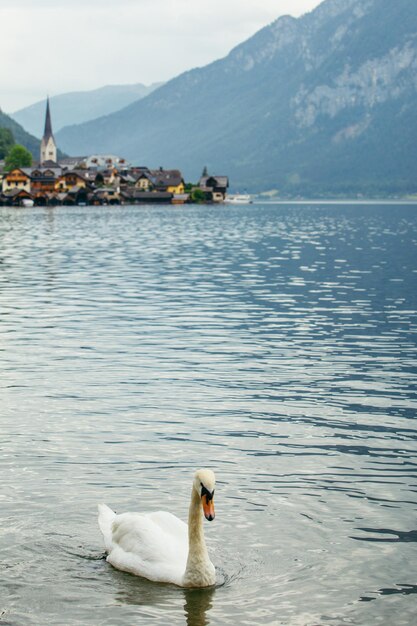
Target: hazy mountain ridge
x: 323, y: 102
x: 20, y: 135
x: 81, y: 106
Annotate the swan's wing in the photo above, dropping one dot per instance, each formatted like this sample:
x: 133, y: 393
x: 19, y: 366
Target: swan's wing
x: 170, y: 524
x: 153, y: 545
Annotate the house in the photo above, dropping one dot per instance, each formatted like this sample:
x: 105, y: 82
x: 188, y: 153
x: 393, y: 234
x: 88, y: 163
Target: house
x: 68, y: 180
x: 144, y: 181
x: 164, y: 181
x: 16, y: 179
x: 170, y: 181
x: 15, y: 197
x: 111, y: 177
x: 43, y: 179
x: 215, y: 187
x: 126, y: 180
x: 105, y: 195
x: 77, y: 195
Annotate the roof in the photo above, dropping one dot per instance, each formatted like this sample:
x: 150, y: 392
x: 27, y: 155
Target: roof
x: 165, y: 178
x: 147, y: 175
x: 127, y: 178
x: 135, y: 194
x: 71, y: 161
x: 47, y: 133
x: 44, y: 172
x: 219, y: 181
x: 105, y: 190
x: 78, y: 173
x: 48, y: 163
x: 23, y: 170
x: 12, y: 193
x: 85, y: 174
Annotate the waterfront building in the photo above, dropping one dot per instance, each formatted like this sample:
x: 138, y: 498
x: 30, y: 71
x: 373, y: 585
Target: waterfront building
x: 17, y: 178
x: 71, y: 179
x: 167, y: 181
x: 43, y: 179
x: 215, y: 187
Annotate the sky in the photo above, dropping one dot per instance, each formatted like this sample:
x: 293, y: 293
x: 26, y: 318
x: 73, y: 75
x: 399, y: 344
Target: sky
x: 57, y: 46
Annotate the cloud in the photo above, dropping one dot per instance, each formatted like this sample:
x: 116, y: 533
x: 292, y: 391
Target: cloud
x: 54, y: 46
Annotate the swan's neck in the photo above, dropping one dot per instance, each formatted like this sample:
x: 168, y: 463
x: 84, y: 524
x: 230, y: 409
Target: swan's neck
x: 199, y: 571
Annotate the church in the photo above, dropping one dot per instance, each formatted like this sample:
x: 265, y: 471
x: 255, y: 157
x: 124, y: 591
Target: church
x: 48, y: 145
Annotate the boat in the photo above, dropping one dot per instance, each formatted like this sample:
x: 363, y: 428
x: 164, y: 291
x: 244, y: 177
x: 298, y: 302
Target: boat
x: 27, y: 202
x: 238, y: 198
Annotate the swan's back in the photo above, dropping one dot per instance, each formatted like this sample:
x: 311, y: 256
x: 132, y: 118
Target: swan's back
x: 153, y: 545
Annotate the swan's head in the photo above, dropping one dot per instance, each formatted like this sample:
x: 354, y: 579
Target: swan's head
x: 204, y: 484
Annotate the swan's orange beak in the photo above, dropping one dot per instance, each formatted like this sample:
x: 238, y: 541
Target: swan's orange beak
x: 208, y: 507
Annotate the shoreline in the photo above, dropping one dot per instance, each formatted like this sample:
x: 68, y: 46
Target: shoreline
x: 218, y: 205
x: 340, y: 201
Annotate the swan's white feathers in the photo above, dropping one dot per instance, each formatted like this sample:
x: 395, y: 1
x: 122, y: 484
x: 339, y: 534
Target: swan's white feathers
x: 105, y: 520
x: 205, y: 477
x: 153, y: 545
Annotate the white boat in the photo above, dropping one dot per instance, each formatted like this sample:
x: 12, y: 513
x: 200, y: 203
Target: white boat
x: 238, y: 198
x: 27, y: 202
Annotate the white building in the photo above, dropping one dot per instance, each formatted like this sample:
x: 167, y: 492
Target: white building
x: 106, y: 161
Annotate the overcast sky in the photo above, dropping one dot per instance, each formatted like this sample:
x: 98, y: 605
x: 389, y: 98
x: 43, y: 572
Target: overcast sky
x: 56, y: 46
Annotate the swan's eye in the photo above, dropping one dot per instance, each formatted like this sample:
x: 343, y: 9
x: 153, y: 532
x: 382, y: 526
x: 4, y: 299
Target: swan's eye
x: 206, y: 492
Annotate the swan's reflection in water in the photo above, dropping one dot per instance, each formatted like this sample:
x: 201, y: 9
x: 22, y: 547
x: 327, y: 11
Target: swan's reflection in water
x: 198, y: 603
x: 141, y: 592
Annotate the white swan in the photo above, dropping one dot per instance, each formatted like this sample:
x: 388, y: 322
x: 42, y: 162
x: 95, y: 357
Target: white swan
x: 159, y: 546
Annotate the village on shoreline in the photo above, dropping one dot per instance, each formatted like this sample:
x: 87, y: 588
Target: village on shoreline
x: 100, y: 180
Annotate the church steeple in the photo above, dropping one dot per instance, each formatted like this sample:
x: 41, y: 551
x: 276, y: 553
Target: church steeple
x: 48, y: 124
x: 48, y: 146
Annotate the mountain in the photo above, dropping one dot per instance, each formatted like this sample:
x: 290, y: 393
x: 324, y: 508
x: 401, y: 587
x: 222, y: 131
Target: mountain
x: 322, y: 104
x: 80, y: 106
x: 20, y: 135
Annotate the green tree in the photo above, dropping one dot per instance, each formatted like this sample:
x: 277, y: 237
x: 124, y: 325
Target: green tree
x: 18, y: 156
x: 198, y: 196
x: 6, y: 141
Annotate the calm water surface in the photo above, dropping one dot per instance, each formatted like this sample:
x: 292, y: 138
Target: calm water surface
x: 275, y: 344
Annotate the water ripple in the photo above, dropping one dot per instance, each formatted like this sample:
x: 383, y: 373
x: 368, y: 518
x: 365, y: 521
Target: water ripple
x: 274, y: 343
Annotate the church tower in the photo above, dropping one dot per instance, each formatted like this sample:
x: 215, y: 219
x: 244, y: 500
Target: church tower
x: 48, y: 145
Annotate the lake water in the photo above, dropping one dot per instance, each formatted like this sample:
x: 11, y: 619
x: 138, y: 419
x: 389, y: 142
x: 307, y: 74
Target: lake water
x: 275, y: 344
